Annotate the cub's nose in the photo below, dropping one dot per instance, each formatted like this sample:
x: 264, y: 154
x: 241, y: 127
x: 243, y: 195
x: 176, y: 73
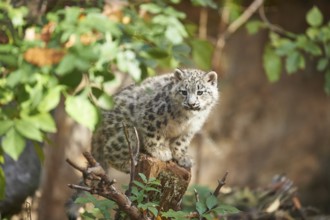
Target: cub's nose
x: 192, y: 105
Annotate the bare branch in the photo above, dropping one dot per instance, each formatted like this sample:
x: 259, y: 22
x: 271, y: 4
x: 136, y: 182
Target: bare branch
x: 196, y: 195
x: 297, y: 205
x: 222, y: 37
x: 75, y: 166
x: 78, y: 187
x: 105, y: 188
x: 244, y: 17
x: 132, y: 156
x: 271, y: 26
x: 221, y: 183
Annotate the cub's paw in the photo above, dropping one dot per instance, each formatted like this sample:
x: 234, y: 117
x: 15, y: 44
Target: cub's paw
x: 163, y: 154
x: 185, y: 161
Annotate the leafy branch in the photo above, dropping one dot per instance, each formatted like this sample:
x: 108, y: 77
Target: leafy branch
x: 291, y: 50
x: 80, y: 56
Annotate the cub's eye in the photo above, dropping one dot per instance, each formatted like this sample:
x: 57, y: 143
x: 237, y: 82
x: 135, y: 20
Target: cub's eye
x: 200, y: 92
x: 183, y: 92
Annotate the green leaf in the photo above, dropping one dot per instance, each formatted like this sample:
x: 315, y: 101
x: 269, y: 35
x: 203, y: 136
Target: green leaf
x: 82, y: 110
x: 72, y: 14
x: 207, y: 216
x: 200, y: 207
x: 151, y: 7
x: 88, y: 216
x: 105, y: 101
x: 18, y: 76
x: 157, y: 53
x: 272, y: 64
x: 205, y: 3
x: 202, y: 53
x: 153, y: 210
x: 2, y: 184
x: 141, y: 185
x: 312, y: 32
x: 314, y: 17
x: 149, y: 189
x: 226, y: 209
x: 4, y: 126
x: 127, y: 62
x: 284, y: 46
x: 82, y: 65
x: 50, y: 100
x: 253, y: 27
x: 312, y: 48
x: 85, y: 198
x: 321, y: 64
x: 174, y: 214
x: 108, y: 52
x: 235, y: 9
x: 28, y: 129
x: 100, y: 22
x: 71, y: 80
x: 66, y: 65
x: 324, y: 34
x: 13, y: 144
x: 294, y: 61
x: 211, y: 202
x: 44, y: 121
x: 175, y: 31
x: 143, y: 177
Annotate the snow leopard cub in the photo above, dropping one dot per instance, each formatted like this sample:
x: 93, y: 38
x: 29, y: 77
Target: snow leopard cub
x: 166, y: 110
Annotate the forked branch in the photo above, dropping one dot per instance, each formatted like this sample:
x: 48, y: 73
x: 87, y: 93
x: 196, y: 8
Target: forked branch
x: 97, y: 182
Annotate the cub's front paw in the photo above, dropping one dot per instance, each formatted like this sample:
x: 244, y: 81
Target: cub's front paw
x: 185, y: 161
x: 163, y: 154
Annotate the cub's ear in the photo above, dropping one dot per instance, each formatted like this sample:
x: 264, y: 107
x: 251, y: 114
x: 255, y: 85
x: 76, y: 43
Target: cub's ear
x: 179, y: 74
x: 211, y: 77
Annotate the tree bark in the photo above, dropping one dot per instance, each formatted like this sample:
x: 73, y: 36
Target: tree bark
x: 174, y: 180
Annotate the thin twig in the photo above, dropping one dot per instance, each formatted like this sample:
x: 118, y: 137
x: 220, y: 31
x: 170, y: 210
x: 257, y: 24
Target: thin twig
x: 223, y: 36
x: 221, y: 183
x: 137, y: 142
x: 105, y: 187
x: 75, y: 165
x: 244, y: 17
x: 132, y: 157
x: 78, y: 187
x: 272, y: 27
x: 297, y: 205
x: 196, y: 195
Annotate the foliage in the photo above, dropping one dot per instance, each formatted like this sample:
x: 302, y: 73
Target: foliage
x: 208, y: 206
x: 75, y: 55
x: 140, y: 192
x: 290, y: 50
x: 100, y: 207
x: 200, y: 199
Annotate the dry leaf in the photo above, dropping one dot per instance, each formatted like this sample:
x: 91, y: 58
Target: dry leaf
x: 113, y: 12
x: 47, y: 31
x: 43, y: 56
x: 273, y: 206
x: 87, y: 39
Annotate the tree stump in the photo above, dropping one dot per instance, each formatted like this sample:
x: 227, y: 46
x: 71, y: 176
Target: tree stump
x: 174, y: 180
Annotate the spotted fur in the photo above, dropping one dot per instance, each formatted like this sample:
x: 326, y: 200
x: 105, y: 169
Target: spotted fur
x: 166, y: 110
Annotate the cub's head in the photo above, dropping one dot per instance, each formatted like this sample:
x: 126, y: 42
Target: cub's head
x: 195, y: 90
